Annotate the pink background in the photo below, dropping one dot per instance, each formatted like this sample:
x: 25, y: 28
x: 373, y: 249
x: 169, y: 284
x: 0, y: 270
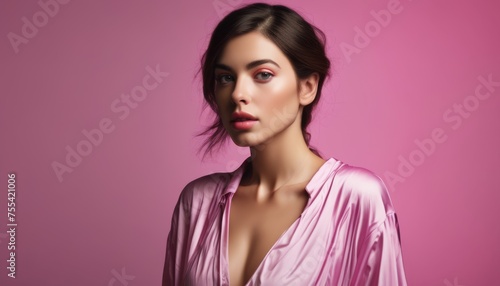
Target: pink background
x: 112, y: 212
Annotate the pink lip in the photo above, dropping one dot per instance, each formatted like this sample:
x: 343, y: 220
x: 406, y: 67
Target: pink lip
x: 243, y: 125
x: 242, y: 115
x: 242, y: 121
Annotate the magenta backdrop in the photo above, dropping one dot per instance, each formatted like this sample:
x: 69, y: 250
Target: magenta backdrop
x: 414, y: 97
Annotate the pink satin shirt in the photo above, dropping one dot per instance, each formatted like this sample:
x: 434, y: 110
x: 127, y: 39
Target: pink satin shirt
x: 348, y: 233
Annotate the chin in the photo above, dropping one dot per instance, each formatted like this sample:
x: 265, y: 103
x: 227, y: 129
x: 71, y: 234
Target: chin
x: 250, y: 139
x: 245, y: 140
x: 242, y: 142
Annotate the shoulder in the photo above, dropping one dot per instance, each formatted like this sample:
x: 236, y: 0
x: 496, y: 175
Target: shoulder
x: 364, y: 187
x: 203, y: 188
x: 361, y: 180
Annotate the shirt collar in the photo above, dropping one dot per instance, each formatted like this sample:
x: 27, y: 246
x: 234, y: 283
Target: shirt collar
x: 317, y: 179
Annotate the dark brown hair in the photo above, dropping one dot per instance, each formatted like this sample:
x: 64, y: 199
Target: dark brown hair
x: 301, y: 42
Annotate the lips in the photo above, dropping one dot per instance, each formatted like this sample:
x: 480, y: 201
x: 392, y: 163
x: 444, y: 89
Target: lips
x: 243, y: 121
x: 242, y: 116
x: 245, y: 125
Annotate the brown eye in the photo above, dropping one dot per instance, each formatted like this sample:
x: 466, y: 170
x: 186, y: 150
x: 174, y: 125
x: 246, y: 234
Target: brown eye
x: 223, y: 79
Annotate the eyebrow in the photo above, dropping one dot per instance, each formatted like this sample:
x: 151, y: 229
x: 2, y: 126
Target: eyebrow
x: 248, y: 66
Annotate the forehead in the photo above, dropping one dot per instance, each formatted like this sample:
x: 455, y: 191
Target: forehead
x: 250, y: 47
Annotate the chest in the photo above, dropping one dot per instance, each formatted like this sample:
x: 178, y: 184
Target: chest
x: 255, y: 227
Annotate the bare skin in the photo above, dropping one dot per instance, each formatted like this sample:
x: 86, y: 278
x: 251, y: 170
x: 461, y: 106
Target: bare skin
x: 254, y: 227
x: 271, y: 195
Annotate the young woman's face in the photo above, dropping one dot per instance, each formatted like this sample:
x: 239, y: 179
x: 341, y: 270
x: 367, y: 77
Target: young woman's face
x: 254, y: 76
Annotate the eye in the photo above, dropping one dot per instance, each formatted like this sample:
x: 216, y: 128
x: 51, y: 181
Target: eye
x: 264, y: 76
x: 223, y: 79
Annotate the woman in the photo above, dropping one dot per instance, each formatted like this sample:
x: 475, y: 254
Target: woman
x: 285, y: 216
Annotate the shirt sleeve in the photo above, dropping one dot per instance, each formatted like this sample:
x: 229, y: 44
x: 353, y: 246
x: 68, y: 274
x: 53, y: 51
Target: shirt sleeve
x: 176, y: 250
x: 379, y: 260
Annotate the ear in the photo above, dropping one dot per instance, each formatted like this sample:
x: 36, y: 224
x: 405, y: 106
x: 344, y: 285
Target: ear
x: 308, y: 88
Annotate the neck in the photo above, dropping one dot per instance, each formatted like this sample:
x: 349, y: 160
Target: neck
x: 283, y: 160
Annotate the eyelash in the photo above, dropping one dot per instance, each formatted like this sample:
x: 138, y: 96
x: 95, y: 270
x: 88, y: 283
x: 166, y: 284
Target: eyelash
x: 219, y: 77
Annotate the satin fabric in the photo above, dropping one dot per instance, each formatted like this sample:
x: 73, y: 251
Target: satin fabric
x: 348, y: 233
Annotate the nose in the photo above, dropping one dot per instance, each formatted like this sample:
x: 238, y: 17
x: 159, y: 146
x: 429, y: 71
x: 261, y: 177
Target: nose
x: 241, y: 92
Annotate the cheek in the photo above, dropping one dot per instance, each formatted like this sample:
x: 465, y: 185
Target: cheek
x: 221, y: 103
x: 279, y: 99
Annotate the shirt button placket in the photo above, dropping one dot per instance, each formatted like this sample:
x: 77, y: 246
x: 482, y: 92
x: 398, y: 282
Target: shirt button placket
x: 224, y: 280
